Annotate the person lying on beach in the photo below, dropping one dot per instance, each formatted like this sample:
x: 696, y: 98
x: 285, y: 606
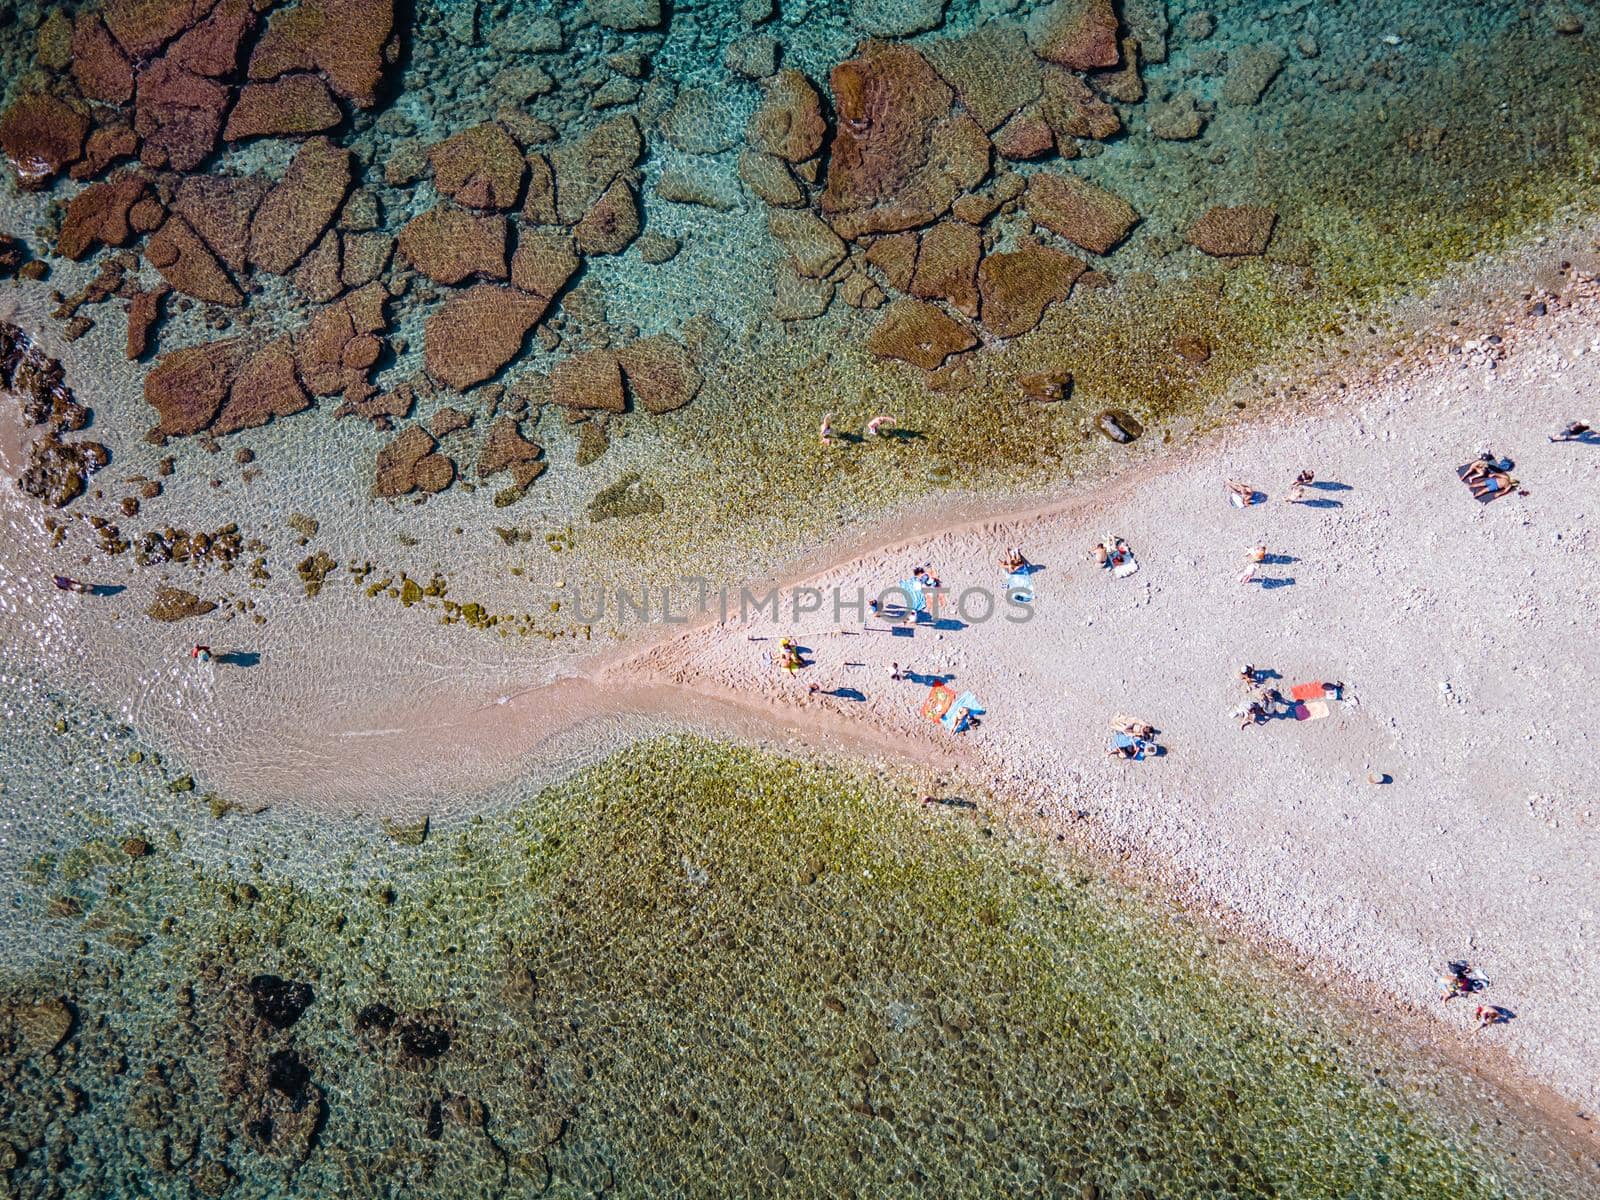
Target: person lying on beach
x: 1122, y: 750
x: 789, y: 656
x: 201, y: 654
x: 1111, y: 552
x: 72, y: 585
x: 925, y: 577
x: 1240, y: 493
x: 1251, y: 714
x: 1490, y: 483
x: 875, y: 426
x: 1572, y: 431
x: 1461, y: 981
x: 1247, y: 675
x: 1142, y: 730
x: 1013, y: 561
x: 1491, y: 1014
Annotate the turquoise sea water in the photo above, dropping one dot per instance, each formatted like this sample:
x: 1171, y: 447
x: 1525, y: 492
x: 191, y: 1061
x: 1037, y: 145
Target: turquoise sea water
x: 692, y: 969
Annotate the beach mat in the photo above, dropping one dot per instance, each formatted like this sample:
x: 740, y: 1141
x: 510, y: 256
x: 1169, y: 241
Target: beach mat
x: 912, y: 592
x: 1124, y: 569
x: 1018, y: 586
x: 1308, y: 691
x: 939, y: 701
x: 1485, y: 497
x: 1310, y: 710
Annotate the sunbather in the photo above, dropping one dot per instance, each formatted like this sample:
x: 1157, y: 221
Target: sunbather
x: 1491, y: 1014
x: 1572, y: 431
x: 1240, y: 493
x: 1251, y: 714
x: 1013, y: 561
x: 1142, y: 730
x: 1490, y: 483
x: 1247, y: 675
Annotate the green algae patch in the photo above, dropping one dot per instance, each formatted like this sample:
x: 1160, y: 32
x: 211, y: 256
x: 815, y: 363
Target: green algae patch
x: 697, y: 969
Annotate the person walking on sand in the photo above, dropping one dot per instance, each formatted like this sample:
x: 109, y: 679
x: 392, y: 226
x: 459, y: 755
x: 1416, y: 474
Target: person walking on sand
x: 875, y: 426
x: 72, y: 585
x: 1572, y: 431
x: 825, y: 432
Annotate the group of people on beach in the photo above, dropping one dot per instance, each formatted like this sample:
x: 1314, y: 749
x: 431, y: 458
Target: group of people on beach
x: 874, y: 428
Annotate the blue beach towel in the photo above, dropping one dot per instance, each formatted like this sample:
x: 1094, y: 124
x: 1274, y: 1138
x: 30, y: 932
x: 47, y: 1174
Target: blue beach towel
x: 964, y: 701
x: 915, y: 600
x: 1019, y: 586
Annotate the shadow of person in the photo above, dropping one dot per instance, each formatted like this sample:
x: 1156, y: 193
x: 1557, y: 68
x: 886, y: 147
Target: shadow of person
x: 236, y: 658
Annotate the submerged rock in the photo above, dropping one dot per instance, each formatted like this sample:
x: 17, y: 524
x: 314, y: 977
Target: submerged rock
x: 188, y: 386
x: 1084, y: 214
x: 40, y: 1027
x: 993, y: 72
x: 1081, y: 34
x: 41, y: 136
x: 279, y: 1002
x: 295, y: 104
x: 99, y: 215
x: 506, y: 449
x: 661, y: 374
x: 347, y: 40
x: 919, y: 334
x: 896, y: 18
x: 448, y: 245
x: 406, y: 833
x: 480, y: 167
x: 1240, y: 230
x: 176, y: 604
x: 186, y: 262
x: 478, y: 332
x: 789, y: 123
x: 1018, y: 286
x: 293, y: 215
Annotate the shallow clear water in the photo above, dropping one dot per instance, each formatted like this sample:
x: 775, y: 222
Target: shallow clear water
x: 693, y: 969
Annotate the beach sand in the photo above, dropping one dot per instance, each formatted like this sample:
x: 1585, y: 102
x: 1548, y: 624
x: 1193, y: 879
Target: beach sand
x: 1465, y: 631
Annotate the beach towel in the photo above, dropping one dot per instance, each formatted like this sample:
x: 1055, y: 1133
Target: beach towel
x: 939, y: 701
x: 1236, y: 500
x: 1491, y: 489
x: 966, y: 701
x: 915, y: 600
x: 1127, y: 566
x: 1308, y: 691
x: 1018, y: 586
x: 1309, y: 710
x: 1121, y: 741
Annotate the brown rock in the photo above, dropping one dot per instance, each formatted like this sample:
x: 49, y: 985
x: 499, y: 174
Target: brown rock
x: 539, y: 207
x: 365, y: 257
x: 789, y: 123
x: 1017, y: 287
x: 590, y: 379
x: 266, y: 386
x: 480, y: 167
x: 98, y: 63
x: 947, y: 266
x: 544, y: 261
x: 919, y: 334
x: 477, y: 332
x: 900, y: 157
x: 344, y: 39
x: 505, y: 449
x: 98, y: 215
x: 796, y: 297
x: 585, y: 168
x: 361, y: 352
x: 813, y: 247
x: 993, y: 72
x: 295, y: 104
x: 1077, y: 210
x: 1081, y: 34
x: 896, y: 256
x: 292, y: 216
x: 434, y: 473
x: 397, y: 462
x: 977, y: 207
x: 178, y: 115
x: 41, y: 136
x: 142, y: 27
x: 611, y: 224
x: 106, y: 144
x: 219, y: 209
x: 448, y: 420
x: 770, y: 179
x: 187, y: 387
x: 1046, y: 386
x: 146, y: 216
x: 661, y: 374
x: 448, y: 245
x: 1026, y: 136
x: 320, y: 347
x: 144, y: 312
x: 320, y: 275
x: 1228, y: 232
x: 1195, y: 349
x: 1124, y: 84
x: 175, y: 604
x: 186, y: 262
x: 1177, y: 120
x: 1071, y: 108
x: 212, y: 47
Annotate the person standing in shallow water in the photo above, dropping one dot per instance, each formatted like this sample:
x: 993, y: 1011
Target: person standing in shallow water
x: 825, y: 431
x: 875, y: 426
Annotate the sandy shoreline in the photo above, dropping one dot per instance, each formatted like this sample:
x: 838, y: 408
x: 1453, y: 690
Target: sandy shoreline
x: 1461, y: 628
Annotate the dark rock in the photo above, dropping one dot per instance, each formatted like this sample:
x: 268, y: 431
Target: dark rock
x: 177, y: 115
x: 375, y: 1016
x: 422, y: 1039
x: 279, y: 1002
x: 611, y: 224
x: 266, y: 386
x: 287, y: 1075
x: 98, y: 63
x: 175, y: 604
x: 219, y: 208
x: 188, y: 264
x: 98, y: 215
x: 187, y: 387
